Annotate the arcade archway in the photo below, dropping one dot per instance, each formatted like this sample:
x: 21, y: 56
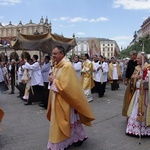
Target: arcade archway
x: 14, y: 55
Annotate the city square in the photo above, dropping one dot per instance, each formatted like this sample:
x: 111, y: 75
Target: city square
x: 26, y: 127
x: 74, y: 75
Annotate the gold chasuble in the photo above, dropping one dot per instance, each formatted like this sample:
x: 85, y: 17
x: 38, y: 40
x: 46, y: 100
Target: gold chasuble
x: 131, y: 87
x: 110, y: 72
x: 70, y: 95
x: 87, y: 79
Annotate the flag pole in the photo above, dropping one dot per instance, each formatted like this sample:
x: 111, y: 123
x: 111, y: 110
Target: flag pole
x: 140, y: 138
x: 73, y: 50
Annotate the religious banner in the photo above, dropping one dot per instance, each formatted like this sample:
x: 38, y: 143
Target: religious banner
x: 94, y: 47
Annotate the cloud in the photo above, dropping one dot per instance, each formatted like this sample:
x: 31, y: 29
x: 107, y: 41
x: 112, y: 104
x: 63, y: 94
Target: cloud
x: 66, y: 26
x: 1, y: 17
x: 80, y: 33
x: 55, y: 19
x: 132, y: 4
x: 122, y: 38
x: 122, y: 41
x: 61, y: 19
x: 99, y: 19
x: 9, y: 2
x: 80, y: 19
x: 62, y: 26
x: 144, y: 18
x: 122, y: 44
x: 64, y: 18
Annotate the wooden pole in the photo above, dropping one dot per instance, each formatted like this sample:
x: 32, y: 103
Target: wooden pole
x: 73, y: 50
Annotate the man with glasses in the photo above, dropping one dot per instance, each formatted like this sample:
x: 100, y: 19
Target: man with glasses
x: 67, y: 107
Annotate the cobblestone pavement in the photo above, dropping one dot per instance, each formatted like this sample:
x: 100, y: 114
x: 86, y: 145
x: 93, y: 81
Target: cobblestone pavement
x: 26, y: 127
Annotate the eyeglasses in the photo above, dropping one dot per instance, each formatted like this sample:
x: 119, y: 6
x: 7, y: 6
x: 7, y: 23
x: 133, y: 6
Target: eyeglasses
x: 56, y: 53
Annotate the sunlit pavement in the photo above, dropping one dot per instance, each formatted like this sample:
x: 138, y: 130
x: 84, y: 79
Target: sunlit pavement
x: 26, y: 127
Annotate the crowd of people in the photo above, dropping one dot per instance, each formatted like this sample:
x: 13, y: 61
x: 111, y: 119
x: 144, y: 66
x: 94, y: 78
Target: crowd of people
x: 94, y: 72
x: 29, y: 77
x: 49, y: 83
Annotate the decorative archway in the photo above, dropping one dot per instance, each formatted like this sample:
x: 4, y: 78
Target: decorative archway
x: 2, y: 56
x: 25, y: 55
x: 14, y: 55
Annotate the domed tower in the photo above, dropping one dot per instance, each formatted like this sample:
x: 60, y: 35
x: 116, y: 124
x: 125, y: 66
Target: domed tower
x: 50, y: 27
x: 46, y: 20
x: 41, y: 20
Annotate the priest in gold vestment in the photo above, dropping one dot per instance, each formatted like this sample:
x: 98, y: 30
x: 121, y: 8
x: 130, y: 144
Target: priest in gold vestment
x: 67, y: 108
x: 87, y: 77
x: 114, y: 74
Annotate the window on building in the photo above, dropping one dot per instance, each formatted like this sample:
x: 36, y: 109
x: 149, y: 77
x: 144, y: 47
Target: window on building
x: 82, y: 47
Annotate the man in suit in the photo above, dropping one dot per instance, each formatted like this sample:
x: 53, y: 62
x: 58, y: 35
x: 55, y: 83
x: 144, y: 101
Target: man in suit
x: 130, y: 66
x: 12, y: 75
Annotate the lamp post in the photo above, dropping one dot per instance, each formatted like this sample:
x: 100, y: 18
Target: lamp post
x: 73, y: 50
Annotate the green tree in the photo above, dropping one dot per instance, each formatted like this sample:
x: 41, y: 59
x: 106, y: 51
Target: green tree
x: 142, y: 44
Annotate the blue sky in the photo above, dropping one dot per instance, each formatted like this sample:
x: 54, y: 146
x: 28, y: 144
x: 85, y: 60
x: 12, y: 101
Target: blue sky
x: 113, y: 19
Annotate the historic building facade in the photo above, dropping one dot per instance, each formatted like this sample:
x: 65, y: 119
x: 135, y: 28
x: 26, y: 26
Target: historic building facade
x: 145, y: 27
x: 9, y: 33
x: 106, y: 47
x: 142, y: 32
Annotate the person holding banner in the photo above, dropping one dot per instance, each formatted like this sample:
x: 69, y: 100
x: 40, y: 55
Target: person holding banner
x: 138, y: 113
